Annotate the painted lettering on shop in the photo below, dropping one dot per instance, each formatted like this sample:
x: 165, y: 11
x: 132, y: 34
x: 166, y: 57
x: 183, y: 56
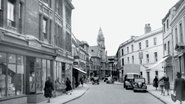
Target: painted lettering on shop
x: 34, y: 44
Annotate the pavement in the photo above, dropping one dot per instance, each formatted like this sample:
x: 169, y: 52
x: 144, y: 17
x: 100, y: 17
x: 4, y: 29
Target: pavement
x: 157, y: 93
x: 63, y: 99
x: 80, y: 91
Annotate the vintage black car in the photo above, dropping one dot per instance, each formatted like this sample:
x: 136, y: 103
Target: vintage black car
x: 128, y: 80
x: 139, y: 84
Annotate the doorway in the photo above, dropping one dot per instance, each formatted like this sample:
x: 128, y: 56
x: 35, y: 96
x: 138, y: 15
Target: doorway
x: 148, y: 77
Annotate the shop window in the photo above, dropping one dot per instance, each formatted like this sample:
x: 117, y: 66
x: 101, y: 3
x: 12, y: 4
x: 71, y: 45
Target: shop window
x: 48, y: 68
x: 20, y: 75
x: 11, y: 82
x: 2, y: 74
x: 38, y: 74
x: 43, y: 72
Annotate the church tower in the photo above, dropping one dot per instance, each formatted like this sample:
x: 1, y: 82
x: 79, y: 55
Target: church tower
x: 100, y: 39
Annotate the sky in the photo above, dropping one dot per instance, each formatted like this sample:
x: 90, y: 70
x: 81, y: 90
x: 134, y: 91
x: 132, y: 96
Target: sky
x: 118, y: 19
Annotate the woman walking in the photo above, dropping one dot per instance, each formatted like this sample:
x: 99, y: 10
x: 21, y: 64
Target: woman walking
x: 48, y: 89
x: 155, y: 82
x: 166, y: 84
x: 161, y: 83
x: 179, y: 88
x: 68, y: 86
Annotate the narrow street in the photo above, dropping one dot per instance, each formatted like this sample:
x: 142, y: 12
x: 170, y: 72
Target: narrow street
x: 114, y: 94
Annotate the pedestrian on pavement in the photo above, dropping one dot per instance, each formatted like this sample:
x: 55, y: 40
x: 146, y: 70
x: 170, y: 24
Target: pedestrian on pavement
x: 81, y: 81
x: 68, y: 86
x: 155, y: 82
x: 161, y: 83
x: 179, y: 88
x: 48, y: 89
x: 166, y: 84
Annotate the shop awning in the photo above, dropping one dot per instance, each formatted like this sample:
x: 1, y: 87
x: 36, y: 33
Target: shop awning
x: 157, y: 63
x: 80, y: 70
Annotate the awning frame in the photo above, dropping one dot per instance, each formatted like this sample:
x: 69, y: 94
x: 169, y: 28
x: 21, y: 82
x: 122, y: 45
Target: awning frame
x: 80, y: 70
x: 163, y: 59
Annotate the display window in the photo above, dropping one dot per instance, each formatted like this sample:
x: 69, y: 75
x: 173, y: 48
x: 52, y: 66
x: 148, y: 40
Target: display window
x: 43, y: 72
x: 38, y: 73
x: 11, y: 82
x: 48, y: 68
x: 20, y: 76
x: 2, y: 74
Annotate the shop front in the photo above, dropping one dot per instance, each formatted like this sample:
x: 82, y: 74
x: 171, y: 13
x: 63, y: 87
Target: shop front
x: 24, y: 66
x: 62, y: 70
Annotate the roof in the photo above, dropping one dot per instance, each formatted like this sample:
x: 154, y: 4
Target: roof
x: 149, y: 34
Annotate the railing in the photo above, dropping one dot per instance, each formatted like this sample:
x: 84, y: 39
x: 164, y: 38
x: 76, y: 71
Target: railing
x: 11, y: 25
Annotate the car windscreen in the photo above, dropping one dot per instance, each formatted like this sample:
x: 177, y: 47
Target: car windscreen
x: 132, y: 76
x: 139, y: 80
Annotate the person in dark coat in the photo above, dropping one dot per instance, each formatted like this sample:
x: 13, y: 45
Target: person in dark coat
x: 68, y: 86
x: 179, y: 88
x: 48, y: 89
x: 155, y: 82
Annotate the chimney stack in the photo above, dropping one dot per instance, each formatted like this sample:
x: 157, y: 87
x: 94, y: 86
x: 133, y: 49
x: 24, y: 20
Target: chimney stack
x: 147, y: 28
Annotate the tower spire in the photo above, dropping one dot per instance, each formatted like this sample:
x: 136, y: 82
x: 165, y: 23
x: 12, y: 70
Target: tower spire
x: 101, y: 39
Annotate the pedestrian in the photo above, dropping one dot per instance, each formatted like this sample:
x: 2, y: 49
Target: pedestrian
x: 155, y: 82
x: 179, y: 88
x: 48, y: 89
x: 166, y: 84
x: 81, y: 81
x: 161, y: 84
x: 68, y: 86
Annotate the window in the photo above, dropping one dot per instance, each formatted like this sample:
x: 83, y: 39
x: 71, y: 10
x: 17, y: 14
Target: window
x: 57, y: 6
x: 45, y: 28
x: 12, y: 70
x: 140, y: 45
x: 122, y: 52
x: 168, y: 47
x: 44, y: 72
x: 155, y: 56
x: 127, y: 50
x: 132, y: 48
x: 146, y: 43
x: 132, y: 59
x: 165, y: 46
x: 176, y: 35
x: 181, y: 33
x: 38, y: 71
x: 164, y: 27
x: 122, y: 61
x: 10, y: 14
x: 128, y: 60
x: 147, y: 58
x: 167, y: 24
x: 156, y: 73
x: 20, y: 17
x: 155, y: 41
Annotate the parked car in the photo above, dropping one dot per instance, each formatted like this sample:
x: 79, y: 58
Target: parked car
x: 128, y: 80
x: 139, y: 84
